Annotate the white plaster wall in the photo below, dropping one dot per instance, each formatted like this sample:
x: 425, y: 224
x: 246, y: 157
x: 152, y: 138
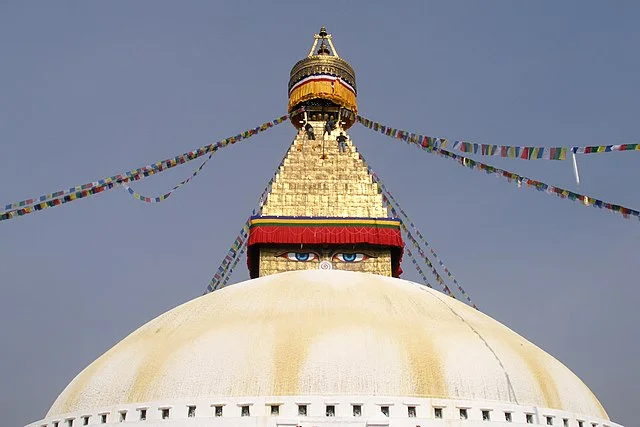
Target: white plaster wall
x: 371, y: 415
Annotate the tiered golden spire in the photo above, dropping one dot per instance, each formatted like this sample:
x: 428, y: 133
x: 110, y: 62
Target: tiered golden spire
x: 324, y: 209
x: 337, y: 186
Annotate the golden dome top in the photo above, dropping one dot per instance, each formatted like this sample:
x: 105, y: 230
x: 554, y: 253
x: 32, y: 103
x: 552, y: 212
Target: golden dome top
x: 324, y: 61
x: 323, y: 82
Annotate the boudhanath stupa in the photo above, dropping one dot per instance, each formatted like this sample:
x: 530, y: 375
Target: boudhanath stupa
x: 325, y: 333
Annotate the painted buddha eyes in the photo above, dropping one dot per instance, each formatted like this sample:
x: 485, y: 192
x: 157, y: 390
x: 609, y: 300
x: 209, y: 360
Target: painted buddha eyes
x: 313, y: 256
x: 350, y: 257
x: 301, y: 256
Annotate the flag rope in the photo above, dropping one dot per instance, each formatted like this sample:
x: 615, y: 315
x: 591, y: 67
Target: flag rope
x: 430, y: 147
x: 166, y: 195
x: 232, y: 254
x: 60, y: 197
x: 235, y: 263
x: 418, y: 269
x: 392, y: 200
x: 427, y: 261
x: 507, y: 151
x: 239, y: 246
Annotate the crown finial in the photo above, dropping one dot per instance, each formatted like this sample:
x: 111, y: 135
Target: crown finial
x: 323, y: 50
x: 324, y: 84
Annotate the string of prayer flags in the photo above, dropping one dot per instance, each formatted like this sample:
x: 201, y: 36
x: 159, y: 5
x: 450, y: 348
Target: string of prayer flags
x: 391, y: 203
x: 432, y: 147
x: 386, y: 194
x: 230, y: 260
x: 235, y: 263
x: 508, y: 151
x: 421, y: 252
x: 234, y: 254
x: 541, y: 186
x: 418, y: 269
x: 388, y: 199
x: 165, y: 196
x: 424, y: 257
x: 223, y: 274
x: 66, y: 198
x: 60, y: 197
x: 267, y: 189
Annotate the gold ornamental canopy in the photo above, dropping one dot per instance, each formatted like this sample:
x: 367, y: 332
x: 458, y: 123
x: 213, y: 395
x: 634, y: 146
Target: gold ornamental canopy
x: 324, y: 84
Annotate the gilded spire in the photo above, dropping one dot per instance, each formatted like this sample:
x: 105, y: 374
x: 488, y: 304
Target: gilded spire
x: 324, y: 210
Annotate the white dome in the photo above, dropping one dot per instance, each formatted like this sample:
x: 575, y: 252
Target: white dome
x: 325, y: 333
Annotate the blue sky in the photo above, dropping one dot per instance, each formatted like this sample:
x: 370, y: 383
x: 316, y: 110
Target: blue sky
x: 91, y: 89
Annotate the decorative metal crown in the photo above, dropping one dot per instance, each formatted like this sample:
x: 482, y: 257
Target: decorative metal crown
x: 324, y: 61
x: 324, y: 84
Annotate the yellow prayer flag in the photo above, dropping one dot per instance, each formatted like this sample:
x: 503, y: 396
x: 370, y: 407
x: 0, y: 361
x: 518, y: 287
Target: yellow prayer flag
x: 563, y: 153
x: 534, y: 152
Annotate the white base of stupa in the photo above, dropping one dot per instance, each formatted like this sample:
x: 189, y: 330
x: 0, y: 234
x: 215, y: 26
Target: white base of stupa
x: 321, y: 411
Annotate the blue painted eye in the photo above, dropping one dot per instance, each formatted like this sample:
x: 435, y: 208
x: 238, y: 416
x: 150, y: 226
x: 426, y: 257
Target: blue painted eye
x: 300, y: 256
x: 350, y: 257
